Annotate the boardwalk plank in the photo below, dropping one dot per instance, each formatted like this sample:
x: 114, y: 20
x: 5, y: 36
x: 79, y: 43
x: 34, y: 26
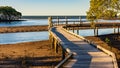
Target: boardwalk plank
x: 86, y: 56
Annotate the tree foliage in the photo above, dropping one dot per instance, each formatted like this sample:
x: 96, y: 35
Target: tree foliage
x: 105, y: 9
x: 9, y: 13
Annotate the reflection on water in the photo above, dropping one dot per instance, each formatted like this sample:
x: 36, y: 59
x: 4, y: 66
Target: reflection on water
x: 90, y: 32
x: 11, y: 38
x: 25, y: 23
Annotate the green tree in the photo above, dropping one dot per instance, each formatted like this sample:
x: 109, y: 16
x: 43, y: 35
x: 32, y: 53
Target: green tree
x: 103, y: 9
x: 9, y: 13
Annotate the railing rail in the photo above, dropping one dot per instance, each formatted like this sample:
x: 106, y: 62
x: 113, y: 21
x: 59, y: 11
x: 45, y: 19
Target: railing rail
x: 63, y: 61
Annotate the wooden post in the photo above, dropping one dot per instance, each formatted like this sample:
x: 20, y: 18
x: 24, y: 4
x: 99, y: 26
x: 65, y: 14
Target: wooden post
x: 57, y: 44
x: 118, y: 29
x: 58, y: 20
x: 52, y: 46
x: 80, y: 20
x: 73, y: 30
x: 96, y: 31
x: 50, y: 22
x: 51, y: 41
x: 49, y: 36
x: 63, y: 54
x: 66, y: 20
x: 114, y: 30
x: 77, y: 31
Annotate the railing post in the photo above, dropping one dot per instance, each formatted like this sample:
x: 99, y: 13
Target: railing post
x: 78, y: 31
x: 80, y: 20
x: 73, y: 30
x: 52, y: 46
x: 114, y: 30
x: 56, y: 46
x: 63, y: 54
x: 96, y: 31
x: 66, y: 20
x: 58, y: 20
x: 50, y: 38
x: 118, y: 29
x: 50, y: 22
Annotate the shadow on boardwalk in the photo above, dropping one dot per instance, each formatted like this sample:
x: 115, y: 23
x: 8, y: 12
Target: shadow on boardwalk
x: 81, y: 58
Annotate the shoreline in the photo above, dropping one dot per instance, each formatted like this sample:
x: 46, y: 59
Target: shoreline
x: 11, y: 20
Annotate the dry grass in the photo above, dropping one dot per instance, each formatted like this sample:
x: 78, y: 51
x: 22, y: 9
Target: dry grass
x: 29, y: 55
x: 23, y: 29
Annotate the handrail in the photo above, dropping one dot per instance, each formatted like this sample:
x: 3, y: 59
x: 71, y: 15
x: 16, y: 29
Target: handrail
x: 66, y: 49
x: 109, y: 53
x: 97, y: 46
x: 63, y: 61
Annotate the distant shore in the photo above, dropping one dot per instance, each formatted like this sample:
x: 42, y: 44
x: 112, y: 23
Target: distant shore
x: 23, y: 29
x: 11, y: 20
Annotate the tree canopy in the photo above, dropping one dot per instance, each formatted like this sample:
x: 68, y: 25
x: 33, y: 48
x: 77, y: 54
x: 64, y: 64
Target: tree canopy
x: 9, y: 13
x: 105, y: 9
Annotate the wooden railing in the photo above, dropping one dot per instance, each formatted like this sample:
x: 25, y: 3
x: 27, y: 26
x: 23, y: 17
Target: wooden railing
x: 57, y: 41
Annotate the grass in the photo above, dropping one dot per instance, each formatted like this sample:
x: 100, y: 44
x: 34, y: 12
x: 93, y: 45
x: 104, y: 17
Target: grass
x: 29, y: 55
x: 23, y: 29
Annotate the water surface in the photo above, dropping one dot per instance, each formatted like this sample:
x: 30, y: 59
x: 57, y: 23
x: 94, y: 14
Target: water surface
x: 12, y: 38
x: 28, y: 22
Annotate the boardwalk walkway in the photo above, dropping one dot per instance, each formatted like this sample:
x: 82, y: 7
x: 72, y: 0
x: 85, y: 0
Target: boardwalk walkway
x: 85, y: 55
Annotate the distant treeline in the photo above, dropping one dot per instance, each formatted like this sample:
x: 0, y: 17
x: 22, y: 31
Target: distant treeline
x: 46, y: 17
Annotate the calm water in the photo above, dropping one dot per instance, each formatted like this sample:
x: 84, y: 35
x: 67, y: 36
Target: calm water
x: 28, y: 22
x: 90, y: 32
x: 32, y: 22
x: 11, y: 38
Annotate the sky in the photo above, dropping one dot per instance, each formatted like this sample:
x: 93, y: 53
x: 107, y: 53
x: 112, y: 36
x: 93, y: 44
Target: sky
x: 48, y: 7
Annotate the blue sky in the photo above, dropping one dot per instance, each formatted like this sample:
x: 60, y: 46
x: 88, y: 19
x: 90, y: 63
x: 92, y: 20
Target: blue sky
x: 48, y: 7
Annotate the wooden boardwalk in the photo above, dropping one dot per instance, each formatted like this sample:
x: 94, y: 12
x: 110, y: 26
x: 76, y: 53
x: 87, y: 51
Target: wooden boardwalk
x: 85, y: 55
